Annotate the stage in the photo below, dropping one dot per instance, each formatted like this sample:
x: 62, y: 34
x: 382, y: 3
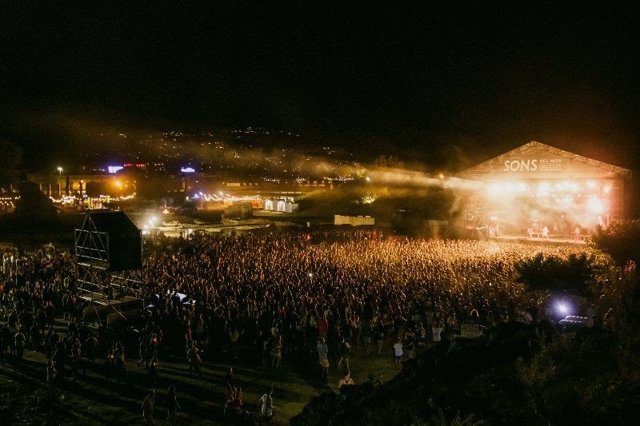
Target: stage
x: 535, y: 240
x: 542, y: 194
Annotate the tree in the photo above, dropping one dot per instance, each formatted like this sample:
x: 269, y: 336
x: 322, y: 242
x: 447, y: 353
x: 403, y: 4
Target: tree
x: 95, y: 189
x: 10, y: 163
x: 552, y: 274
x: 33, y: 206
x: 621, y: 241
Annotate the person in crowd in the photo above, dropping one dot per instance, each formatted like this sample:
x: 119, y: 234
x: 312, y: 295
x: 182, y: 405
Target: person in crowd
x: 234, y: 341
x: 172, y: 405
x: 410, y: 344
x: 234, y: 406
x: 276, y: 352
x: 20, y: 342
x: 194, y: 358
x: 120, y: 364
x: 398, y: 352
x: 380, y: 335
x: 51, y: 376
x: 230, y: 380
x: 344, y: 353
x: 91, y: 348
x: 436, y: 331
x: 35, y: 337
x: 152, y: 372
x: 345, y: 380
x: 75, y: 357
x: 266, y: 407
x: 367, y: 333
x: 148, y: 408
x: 323, y: 358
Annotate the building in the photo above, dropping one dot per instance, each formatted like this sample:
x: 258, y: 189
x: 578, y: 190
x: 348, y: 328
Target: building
x: 537, y: 186
x: 281, y: 205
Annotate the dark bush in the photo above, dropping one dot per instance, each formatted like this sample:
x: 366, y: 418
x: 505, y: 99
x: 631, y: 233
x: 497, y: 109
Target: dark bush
x: 621, y: 241
x: 552, y: 274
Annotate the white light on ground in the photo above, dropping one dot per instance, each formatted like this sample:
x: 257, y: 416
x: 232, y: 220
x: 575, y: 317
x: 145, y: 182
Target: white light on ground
x: 563, y: 308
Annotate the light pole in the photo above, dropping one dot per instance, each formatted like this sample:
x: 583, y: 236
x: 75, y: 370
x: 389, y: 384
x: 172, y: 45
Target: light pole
x: 59, y: 169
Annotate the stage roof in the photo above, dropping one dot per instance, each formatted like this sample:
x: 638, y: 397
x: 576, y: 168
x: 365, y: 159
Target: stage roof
x: 535, y: 160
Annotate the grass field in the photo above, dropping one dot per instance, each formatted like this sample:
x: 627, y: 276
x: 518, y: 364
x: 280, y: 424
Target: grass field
x: 92, y: 400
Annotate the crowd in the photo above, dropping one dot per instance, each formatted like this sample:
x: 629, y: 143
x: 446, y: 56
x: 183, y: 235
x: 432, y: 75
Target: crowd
x: 312, y: 296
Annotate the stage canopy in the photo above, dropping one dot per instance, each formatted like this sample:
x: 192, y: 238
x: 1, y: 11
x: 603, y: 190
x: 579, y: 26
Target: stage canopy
x: 536, y: 160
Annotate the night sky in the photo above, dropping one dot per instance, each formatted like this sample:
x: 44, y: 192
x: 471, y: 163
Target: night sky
x: 472, y: 79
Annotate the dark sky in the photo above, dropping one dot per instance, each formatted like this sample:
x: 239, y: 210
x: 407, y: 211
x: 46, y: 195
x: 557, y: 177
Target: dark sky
x: 419, y: 81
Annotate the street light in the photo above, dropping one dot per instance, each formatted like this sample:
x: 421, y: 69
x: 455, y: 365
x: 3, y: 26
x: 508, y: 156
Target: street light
x: 59, y: 169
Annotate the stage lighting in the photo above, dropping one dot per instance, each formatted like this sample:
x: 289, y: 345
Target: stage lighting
x: 494, y: 189
x: 596, y: 206
x: 544, y: 189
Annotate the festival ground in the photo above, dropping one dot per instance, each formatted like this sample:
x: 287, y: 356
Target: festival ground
x: 320, y: 273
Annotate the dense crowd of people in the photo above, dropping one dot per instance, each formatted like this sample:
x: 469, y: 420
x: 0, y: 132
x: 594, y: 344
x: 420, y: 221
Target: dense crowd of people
x: 303, y: 296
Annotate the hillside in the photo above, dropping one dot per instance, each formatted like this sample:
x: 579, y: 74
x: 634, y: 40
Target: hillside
x: 494, y: 380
